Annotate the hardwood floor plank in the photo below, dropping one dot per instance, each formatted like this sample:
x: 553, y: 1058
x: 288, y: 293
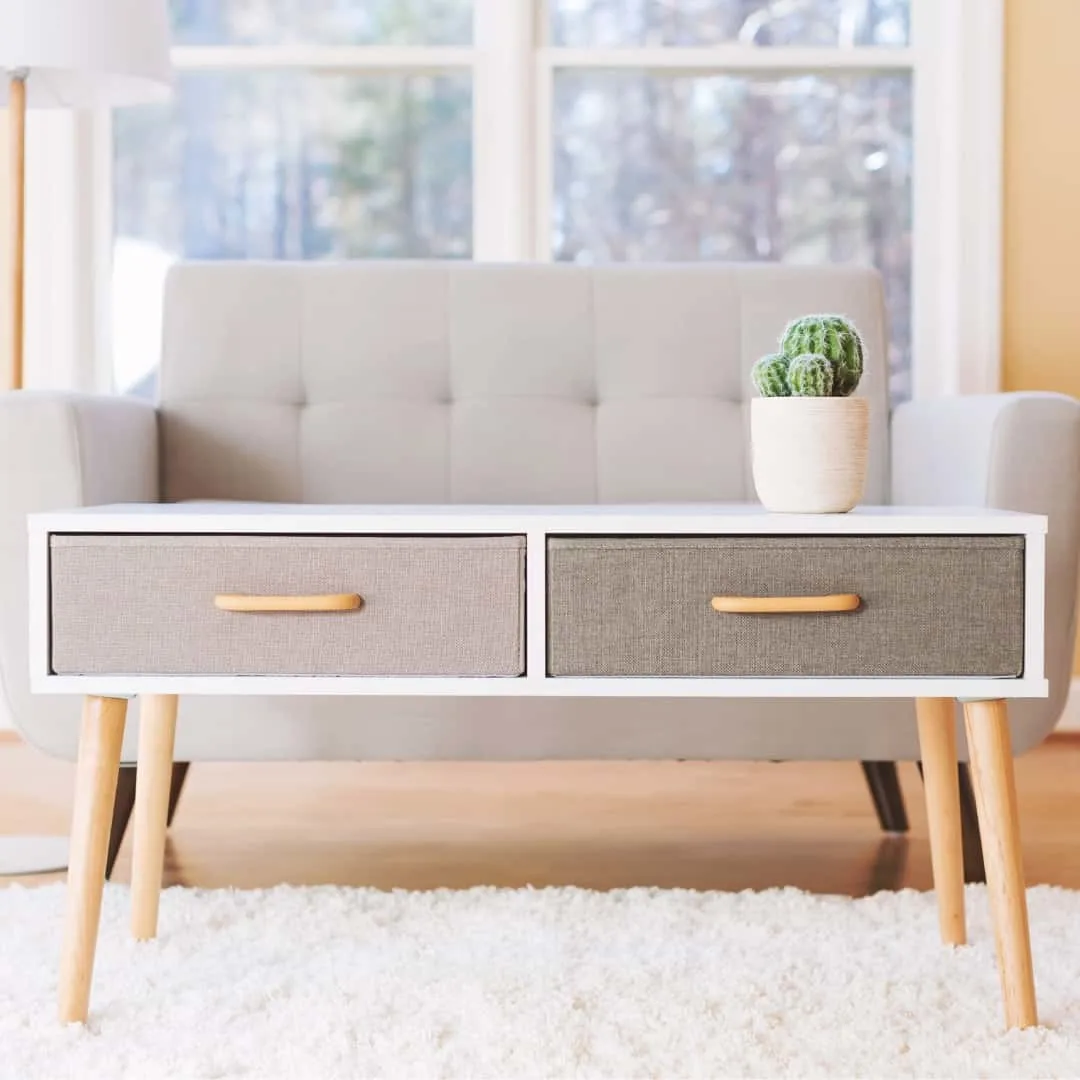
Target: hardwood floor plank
x: 703, y: 825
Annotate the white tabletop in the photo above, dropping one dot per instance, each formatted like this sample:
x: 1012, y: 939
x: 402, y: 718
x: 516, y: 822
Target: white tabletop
x: 745, y: 518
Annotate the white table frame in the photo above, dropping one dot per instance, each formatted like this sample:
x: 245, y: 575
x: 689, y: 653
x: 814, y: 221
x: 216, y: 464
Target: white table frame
x: 535, y: 524
x: 986, y: 715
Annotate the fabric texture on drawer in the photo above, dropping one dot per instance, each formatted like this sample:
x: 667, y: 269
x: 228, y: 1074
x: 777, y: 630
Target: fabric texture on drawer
x: 145, y: 605
x: 931, y: 606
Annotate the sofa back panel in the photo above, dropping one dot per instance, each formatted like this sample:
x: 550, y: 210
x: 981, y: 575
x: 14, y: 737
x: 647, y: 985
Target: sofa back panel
x: 465, y: 382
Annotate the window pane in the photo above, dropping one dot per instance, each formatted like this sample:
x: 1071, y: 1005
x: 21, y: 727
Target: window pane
x: 607, y: 23
x: 284, y: 166
x: 803, y: 170
x: 324, y: 22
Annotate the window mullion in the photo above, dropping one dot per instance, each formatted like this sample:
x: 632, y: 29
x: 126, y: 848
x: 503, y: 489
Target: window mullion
x: 327, y: 58
x: 99, y: 169
x: 543, y: 204
x: 59, y: 263
x: 691, y: 60
x: 503, y: 140
x: 959, y: 85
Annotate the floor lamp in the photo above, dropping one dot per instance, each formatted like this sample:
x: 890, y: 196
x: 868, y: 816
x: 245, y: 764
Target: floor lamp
x: 73, y: 54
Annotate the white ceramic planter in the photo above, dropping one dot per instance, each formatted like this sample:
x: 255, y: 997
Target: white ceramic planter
x: 809, y: 454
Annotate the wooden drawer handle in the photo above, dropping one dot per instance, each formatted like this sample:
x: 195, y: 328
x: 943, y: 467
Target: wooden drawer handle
x: 775, y: 605
x: 327, y: 602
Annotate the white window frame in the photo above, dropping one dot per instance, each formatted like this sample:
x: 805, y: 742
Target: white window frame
x: 957, y: 65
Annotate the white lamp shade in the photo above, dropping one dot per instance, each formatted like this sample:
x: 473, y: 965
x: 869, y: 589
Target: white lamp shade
x: 86, y: 53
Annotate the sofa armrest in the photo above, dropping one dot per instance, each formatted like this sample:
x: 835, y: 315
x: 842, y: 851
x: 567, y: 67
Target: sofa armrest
x: 59, y: 451
x: 67, y: 450
x: 1011, y: 452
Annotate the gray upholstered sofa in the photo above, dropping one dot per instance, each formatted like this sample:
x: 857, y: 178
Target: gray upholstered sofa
x: 424, y: 383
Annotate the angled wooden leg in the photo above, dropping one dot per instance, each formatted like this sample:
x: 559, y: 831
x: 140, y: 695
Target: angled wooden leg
x: 987, y: 726
x: 937, y: 743
x: 153, y: 781
x: 95, y: 789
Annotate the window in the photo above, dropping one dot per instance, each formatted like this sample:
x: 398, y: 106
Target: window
x: 702, y: 129
x: 276, y: 146
x: 322, y: 22
x: 278, y: 165
x: 805, y: 169
x: 834, y: 23
x: 579, y: 130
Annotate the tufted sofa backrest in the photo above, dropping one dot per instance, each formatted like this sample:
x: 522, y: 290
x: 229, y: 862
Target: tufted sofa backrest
x: 379, y: 382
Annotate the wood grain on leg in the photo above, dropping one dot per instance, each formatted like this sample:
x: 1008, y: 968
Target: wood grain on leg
x: 937, y: 743
x: 153, y: 780
x: 987, y: 725
x: 95, y: 790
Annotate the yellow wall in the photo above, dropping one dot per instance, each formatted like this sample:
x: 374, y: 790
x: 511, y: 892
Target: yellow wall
x: 1041, y: 303
x: 1042, y: 196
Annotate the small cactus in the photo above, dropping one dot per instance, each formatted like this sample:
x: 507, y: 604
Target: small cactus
x: 830, y: 336
x: 770, y: 376
x: 812, y: 375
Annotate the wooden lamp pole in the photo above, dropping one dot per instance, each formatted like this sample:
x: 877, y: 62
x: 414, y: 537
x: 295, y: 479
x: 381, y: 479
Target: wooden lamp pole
x: 93, y: 54
x: 18, y: 854
x: 22, y: 854
x: 17, y: 165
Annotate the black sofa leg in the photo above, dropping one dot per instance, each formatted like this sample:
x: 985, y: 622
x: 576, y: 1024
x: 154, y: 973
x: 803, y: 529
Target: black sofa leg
x: 121, y: 815
x: 125, y: 803
x: 179, y: 775
x: 974, y: 868
x: 884, y: 783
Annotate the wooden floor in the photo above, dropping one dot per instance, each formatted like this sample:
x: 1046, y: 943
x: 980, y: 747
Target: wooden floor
x: 715, y: 825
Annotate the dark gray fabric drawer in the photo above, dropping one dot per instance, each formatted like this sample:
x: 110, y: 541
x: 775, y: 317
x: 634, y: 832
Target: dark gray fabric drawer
x: 145, y: 605
x: 641, y: 606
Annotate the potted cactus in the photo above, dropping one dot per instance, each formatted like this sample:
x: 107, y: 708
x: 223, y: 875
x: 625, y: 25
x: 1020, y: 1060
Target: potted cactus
x: 809, y: 436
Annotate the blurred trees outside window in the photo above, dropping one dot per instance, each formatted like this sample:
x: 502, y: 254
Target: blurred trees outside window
x: 253, y: 161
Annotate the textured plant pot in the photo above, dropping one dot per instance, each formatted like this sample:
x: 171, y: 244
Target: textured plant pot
x: 809, y: 454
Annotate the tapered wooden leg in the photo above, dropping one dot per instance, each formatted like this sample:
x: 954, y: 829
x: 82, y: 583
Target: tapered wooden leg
x: 937, y: 743
x: 987, y: 726
x: 95, y: 789
x: 153, y: 780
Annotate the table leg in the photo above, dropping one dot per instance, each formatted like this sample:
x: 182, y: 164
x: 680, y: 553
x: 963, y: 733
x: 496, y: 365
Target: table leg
x: 95, y: 790
x: 937, y: 744
x: 153, y: 780
x: 987, y: 725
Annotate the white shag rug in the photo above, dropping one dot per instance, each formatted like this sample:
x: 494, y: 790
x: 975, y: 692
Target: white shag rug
x: 327, y: 983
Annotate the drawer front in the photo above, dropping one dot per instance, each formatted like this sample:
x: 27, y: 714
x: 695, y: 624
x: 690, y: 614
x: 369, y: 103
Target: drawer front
x: 931, y: 606
x: 145, y: 605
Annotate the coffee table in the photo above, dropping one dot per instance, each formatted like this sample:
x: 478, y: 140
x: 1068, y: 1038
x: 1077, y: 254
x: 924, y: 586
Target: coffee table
x: 160, y: 601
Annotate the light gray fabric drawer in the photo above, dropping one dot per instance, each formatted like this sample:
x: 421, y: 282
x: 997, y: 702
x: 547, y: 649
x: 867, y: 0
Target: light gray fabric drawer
x: 642, y: 606
x: 145, y: 605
